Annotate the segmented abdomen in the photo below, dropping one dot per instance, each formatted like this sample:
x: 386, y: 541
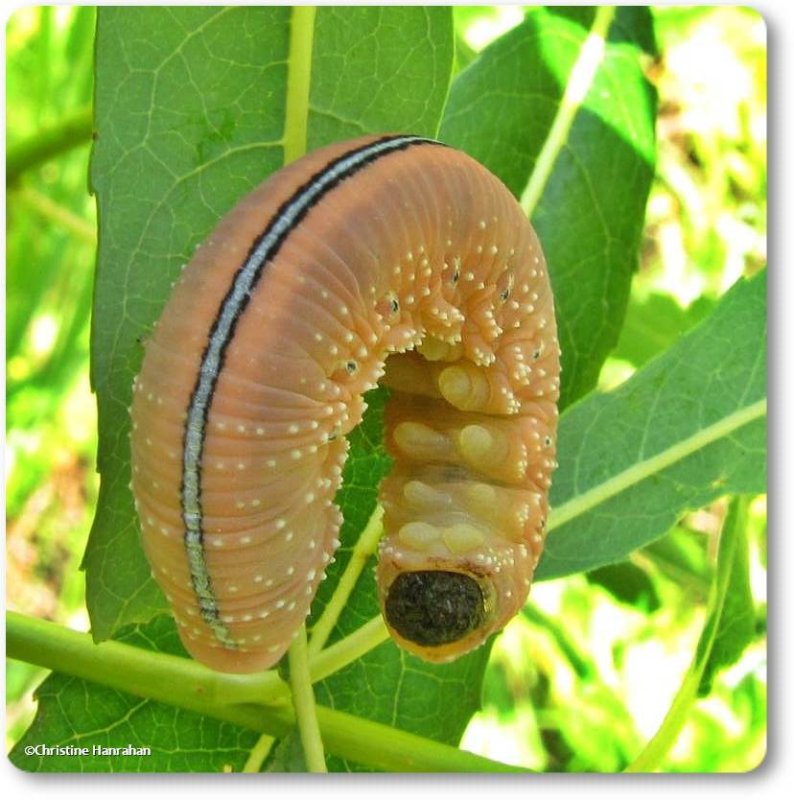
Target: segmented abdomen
x: 395, y: 248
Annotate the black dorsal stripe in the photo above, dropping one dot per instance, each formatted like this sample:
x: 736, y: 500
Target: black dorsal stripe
x: 264, y: 248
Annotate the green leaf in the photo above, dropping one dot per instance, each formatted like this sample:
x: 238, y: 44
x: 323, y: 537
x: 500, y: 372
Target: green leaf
x: 591, y: 210
x: 655, y: 323
x: 76, y: 712
x: 195, y: 106
x: 287, y: 755
x: 682, y: 556
x: 628, y: 583
x: 378, y: 69
x: 687, y: 428
x: 736, y: 628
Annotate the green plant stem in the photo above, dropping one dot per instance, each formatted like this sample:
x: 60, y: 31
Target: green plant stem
x: 186, y: 684
x: 303, y: 703
x: 158, y: 676
x: 299, y: 73
x: 349, y: 649
x: 365, y: 547
x: 259, y: 752
x: 678, y: 713
x: 393, y: 750
x: 53, y: 212
x: 72, y: 131
x: 579, y: 82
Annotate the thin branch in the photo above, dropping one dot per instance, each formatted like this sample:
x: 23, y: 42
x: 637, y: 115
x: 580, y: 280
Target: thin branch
x: 259, y: 752
x: 158, y: 676
x: 349, y: 649
x: 299, y: 73
x: 303, y: 702
x: 239, y: 699
x: 365, y: 547
x: 70, y: 132
x: 57, y: 214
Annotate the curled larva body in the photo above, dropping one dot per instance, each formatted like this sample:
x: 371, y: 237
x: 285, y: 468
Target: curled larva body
x: 392, y: 253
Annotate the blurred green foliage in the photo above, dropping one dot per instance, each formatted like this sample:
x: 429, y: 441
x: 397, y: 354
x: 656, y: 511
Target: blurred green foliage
x: 51, y: 485
x: 566, y: 688
x: 707, y: 218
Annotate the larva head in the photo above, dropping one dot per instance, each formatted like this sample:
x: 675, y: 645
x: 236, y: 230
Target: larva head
x: 439, y: 610
x: 432, y: 608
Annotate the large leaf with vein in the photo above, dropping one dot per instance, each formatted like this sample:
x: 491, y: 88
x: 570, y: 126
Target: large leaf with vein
x: 590, y: 215
x: 687, y: 428
x: 377, y: 69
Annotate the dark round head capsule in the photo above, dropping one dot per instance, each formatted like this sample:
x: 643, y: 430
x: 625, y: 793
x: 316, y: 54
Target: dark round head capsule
x: 434, y: 607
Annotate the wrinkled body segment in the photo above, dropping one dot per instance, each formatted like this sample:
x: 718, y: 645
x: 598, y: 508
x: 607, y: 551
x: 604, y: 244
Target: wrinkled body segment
x: 396, y: 260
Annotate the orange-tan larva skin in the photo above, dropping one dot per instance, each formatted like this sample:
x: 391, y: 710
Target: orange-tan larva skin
x: 421, y: 250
